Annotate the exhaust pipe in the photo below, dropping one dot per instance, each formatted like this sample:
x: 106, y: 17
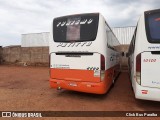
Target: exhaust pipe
x: 59, y: 88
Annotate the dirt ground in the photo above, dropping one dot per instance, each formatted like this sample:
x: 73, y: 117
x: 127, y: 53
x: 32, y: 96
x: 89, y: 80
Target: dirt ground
x: 27, y: 89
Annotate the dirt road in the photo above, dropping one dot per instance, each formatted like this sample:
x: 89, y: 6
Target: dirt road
x: 27, y: 89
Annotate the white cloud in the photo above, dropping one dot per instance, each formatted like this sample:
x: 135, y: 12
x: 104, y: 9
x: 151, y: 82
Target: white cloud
x: 28, y: 16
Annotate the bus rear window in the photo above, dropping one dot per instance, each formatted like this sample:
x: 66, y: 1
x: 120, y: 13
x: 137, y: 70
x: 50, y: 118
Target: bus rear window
x: 76, y: 28
x: 153, y: 26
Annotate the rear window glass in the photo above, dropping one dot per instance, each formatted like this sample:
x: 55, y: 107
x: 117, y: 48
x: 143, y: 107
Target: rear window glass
x: 76, y: 28
x: 153, y: 26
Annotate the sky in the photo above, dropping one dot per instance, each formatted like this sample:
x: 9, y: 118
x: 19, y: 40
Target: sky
x: 33, y: 16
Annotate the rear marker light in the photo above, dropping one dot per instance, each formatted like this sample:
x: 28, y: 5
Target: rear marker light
x: 144, y: 91
x: 89, y: 85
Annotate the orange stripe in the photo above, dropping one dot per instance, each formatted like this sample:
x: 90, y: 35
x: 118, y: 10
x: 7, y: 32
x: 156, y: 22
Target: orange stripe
x: 75, y: 75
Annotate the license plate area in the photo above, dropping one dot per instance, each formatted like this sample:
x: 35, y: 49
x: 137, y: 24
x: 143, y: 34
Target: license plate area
x: 73, y: 84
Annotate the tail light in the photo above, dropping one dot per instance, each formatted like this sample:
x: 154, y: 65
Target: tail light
x: 102, y: 67
x: 102, y: 62
x: 138, y: 68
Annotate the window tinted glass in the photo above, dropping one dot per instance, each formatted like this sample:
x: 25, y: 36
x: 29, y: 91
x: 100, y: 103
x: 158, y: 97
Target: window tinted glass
x: 153, y: 26
x: 75, y: 28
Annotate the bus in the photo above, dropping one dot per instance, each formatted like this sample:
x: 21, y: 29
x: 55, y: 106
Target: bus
x: 144, y: 57
x: 83, y: 54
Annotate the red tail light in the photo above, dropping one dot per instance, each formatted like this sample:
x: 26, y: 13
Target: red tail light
x: 102, y: 62
x: 138, y: 63
x: 138, y: 68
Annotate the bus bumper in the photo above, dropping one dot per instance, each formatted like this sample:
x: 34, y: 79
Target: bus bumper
x: 88, y: 87
x: 147, y: 93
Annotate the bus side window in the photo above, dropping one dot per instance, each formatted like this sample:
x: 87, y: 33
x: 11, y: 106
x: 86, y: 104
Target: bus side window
x: 132, y: 44
x: 109, y: 37
x: 135, y: 33
x: 112, y: 41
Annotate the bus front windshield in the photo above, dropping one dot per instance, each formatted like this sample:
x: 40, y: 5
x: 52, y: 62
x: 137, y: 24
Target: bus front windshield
x: 76, y: 28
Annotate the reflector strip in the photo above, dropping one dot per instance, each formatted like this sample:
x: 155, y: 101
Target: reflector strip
x: 144, y: 91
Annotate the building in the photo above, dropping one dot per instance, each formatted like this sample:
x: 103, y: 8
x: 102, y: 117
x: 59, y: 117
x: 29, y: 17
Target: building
x: 35, y: 39
x: 124, y: 35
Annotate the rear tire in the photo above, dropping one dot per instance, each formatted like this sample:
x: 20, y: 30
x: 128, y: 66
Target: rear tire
x: 113, y: 83
x: 114, y: 77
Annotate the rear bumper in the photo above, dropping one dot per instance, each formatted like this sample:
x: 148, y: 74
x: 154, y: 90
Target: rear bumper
x: 147, y: 93
x: 88, y: 87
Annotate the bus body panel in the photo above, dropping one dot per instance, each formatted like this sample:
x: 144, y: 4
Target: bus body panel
x: 76, y: 75
x: 83, y: 72
x: 76, y: 61
x: 85, y: 86
x: 146, y: 93
x: 149, y: 86
x: 150, y: 75
x: 76, y: 68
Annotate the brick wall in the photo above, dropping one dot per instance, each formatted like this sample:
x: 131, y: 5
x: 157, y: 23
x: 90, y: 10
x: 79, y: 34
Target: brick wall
x: 26, y: 55
x: 38, y: 55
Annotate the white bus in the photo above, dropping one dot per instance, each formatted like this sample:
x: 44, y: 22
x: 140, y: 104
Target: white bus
x: 144, y: 57
x: 83, y: 54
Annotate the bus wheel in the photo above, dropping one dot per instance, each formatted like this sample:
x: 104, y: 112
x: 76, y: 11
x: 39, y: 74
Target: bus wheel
x: 113, y: 78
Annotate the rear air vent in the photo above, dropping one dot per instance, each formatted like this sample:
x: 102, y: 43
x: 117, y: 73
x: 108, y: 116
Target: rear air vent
x: 155, y: 52
x: 74, y: 53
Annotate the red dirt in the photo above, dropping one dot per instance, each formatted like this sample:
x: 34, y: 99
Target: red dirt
x: 27, y: 89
